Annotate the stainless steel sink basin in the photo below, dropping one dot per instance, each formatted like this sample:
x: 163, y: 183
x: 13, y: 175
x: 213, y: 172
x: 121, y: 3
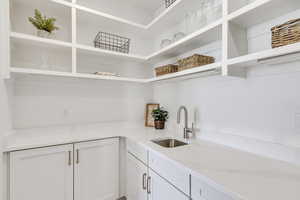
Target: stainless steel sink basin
x: 169, y: 143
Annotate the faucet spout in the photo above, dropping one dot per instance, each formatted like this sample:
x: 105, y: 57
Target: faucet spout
x: 186, y: 130
x: 185, y: 116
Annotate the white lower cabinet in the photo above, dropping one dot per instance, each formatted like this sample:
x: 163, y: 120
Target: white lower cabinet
x: 96, y: 170
x: 175, y: 174
x: 143, y: 183
x: 201, y: 190
x: 47, y: 173
x: 137, y: 174
x: 160, y: 189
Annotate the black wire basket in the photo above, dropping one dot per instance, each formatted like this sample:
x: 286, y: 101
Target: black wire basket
x: 112, y: 42
x: 169, y: 2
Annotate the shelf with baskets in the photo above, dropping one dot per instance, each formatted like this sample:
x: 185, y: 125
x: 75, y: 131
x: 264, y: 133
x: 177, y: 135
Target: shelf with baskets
x: 261, y: 31
x: 73, y: 52
x: 211, y: 32
x: 207, y: 70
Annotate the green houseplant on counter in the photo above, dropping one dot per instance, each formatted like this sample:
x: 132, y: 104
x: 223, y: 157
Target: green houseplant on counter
x: 45, y: 26
x: 160, y: 116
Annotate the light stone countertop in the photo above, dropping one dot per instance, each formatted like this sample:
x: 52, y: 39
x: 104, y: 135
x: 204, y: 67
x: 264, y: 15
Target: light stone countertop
x: 243, y: 175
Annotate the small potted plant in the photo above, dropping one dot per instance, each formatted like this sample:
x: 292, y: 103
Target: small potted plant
x: 160, y: 116
x: 45, y: 26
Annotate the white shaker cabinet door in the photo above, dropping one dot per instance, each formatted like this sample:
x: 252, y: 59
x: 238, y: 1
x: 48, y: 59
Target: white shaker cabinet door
x: 136, y: 179
x: 96, y: 165
x: 160, y: 189
x: 43, y: 173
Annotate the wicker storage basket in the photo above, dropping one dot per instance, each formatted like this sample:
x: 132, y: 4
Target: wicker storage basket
x: 285, y: 34
x: 167, y: 69
x: 194, y: 61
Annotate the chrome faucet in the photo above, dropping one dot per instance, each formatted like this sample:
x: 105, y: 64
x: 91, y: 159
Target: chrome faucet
x: 186, y: 130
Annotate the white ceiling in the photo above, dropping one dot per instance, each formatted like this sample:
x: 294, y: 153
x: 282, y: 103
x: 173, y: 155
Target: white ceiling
x: 140, y: 11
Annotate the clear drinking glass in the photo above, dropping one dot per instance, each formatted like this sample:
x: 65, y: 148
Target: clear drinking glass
x: 202, y: 18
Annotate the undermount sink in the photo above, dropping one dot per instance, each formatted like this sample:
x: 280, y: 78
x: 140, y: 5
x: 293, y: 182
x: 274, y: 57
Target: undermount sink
x: 169, y: 143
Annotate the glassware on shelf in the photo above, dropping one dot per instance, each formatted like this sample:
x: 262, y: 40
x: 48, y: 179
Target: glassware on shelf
x: 213, y: 10
x: 201, y: 16
x: 250, y: 1
x: 187, y: 22
x: 197, y: 19
x: 165, y: 42
x: 178, y: 36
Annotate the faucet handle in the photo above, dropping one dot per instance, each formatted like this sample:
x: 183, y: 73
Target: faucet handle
x: 193, y: 127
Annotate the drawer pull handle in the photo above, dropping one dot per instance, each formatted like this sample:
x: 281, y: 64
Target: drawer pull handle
x: 144, y: 181
x: 149, y: 185
x: 70, y: 158
x: 77, y: 156
x: 200, y: 192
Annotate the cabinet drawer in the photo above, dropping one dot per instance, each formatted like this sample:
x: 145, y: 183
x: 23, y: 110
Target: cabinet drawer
x: 137, y: 150
x: 201, y: 190
x: 169, y: 170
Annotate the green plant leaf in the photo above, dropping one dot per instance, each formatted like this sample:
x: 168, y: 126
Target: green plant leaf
x: 160, y: 114
x: 41, y: 22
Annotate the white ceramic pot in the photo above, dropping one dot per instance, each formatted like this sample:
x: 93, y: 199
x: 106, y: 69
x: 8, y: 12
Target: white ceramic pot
x: 45, y: 34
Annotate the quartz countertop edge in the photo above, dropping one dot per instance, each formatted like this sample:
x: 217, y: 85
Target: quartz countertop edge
x: 242, y: 175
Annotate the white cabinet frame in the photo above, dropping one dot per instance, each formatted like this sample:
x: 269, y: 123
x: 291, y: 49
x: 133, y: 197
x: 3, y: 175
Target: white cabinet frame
x: 228, y: 66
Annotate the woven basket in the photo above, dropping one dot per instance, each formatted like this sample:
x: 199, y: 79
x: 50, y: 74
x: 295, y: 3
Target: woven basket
x: 167, y: 69
x: 285, y: 34
x: 194, y: 61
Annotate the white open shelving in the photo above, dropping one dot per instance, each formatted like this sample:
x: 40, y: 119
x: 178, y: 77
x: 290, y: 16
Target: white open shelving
x: 38, y: 40
x: 246, y: 16
x: 262, y: 10
x: 75, y: 75
x: 214, y: 68
x: 177, y: 7
x: 250, y: 59
x: 205, y: 35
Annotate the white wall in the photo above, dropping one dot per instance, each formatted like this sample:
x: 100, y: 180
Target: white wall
x: 5, y: 124
x: 5, y: 119
x: 265, y: 107
x: 260, y: 114
x: 45, y: 101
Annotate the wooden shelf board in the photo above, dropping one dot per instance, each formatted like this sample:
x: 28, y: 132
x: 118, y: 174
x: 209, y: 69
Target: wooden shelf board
x: 260, y: 11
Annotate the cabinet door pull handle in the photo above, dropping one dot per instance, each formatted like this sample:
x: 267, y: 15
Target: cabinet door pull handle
x: 144, y: 181
x: 70, y: 158
x: 149, y: 185
x: 77, y: 156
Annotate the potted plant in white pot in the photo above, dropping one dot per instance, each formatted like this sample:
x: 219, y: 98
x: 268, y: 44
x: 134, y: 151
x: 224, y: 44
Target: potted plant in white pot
x: 45, y: 26
x: 160, y: 116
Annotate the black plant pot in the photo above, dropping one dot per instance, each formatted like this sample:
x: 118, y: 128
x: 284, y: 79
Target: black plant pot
x: 159, y: 124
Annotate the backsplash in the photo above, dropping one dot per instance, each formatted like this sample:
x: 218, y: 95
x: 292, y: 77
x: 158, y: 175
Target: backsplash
x: 46, y: 101
x: 258, y: 114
